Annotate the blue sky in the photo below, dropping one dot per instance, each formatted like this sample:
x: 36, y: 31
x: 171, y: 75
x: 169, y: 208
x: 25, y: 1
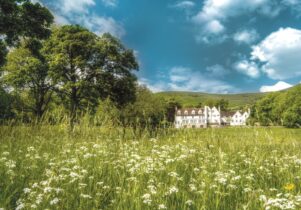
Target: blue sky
x: 216, y: 46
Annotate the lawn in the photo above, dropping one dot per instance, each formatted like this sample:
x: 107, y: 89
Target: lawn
x: 231, y: 168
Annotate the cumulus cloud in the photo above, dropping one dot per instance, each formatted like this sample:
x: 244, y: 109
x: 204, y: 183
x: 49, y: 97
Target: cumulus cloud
x: 280, y: 54
x: 248, y: 68
x: 59, y: 19
x: 215, y: 15
x: 78, y: 12
x: 217, y: 71
x: 185, y: 79
x: 246, y: 36
x: 75, y: 5
x: 184, y: 4
x: 100, y: 25
x: 277, y: 87
x: 109, y: 3
x: 221, y: 10
x: 214, y: 26
x: 154, y: 87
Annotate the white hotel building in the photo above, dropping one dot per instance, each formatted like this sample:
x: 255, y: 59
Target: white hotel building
x: 204, y: 117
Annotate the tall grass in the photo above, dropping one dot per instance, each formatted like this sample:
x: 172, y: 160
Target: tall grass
x: 48, y: 167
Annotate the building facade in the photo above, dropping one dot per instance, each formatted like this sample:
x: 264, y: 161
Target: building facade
x: 204, y: 117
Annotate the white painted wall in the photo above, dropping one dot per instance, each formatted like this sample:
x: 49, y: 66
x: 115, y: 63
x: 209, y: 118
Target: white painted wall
x: 211, y: 116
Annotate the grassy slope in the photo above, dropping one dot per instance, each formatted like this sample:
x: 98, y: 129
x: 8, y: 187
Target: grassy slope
x: 192, y: 99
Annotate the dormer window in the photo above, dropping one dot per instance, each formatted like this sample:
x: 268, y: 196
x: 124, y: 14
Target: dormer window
x: 186, y: 112
x: 200, y: 111
x: 179, y: 112
x: 193, y: 112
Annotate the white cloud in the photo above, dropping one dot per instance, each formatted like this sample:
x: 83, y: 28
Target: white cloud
x: 280, y: 54
x: 223, y: 9
x: 109, y: 3
x: 78, y: 12
x: 184, y: 4
x: 184, y: 79
x: 216, y: 13
x: 248, y: 68
x: 154, y: 87
x: 214, y: 26
x: 100, y: 25
x: 246, y: 36
x: 196, y: 81
x: 217, y: 71
x: 59, y: 19
x: 79, y: 6
x: 277, y: 87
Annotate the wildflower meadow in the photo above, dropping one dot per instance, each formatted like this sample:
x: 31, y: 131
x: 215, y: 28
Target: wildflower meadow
x: 47, y: 167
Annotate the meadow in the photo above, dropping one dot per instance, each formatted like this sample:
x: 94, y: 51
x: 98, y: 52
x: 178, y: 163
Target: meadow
x: 47, y: 167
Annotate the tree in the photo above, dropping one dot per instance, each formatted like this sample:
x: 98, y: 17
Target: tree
x: 22, y: 18
x: 210, y: 102
x: 264, y: 109
x: 171, y: 106
x: 88, y: 67
x: 222, y: 104
x: 292, y: 117
x: 147, y: 112
x: 27, y: 71
x: 280, y: 108
x: 199, y: 105
x: 116, y: 80
x: 6, y: 101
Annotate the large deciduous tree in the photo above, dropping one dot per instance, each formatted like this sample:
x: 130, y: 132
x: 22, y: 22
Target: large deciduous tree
x: 27, y: 72
x: 22, y: 18
x: 87, y: 67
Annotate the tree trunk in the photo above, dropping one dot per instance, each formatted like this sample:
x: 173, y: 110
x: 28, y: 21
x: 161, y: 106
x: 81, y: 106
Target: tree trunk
x: 73, y: 107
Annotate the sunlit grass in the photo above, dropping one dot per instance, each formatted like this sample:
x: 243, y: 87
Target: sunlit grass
x: 47, y: 167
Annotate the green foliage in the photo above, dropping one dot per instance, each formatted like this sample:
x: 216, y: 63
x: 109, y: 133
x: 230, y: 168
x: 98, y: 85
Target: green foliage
x: 87, y: 67
x: 116, y: 80
x: 280, y: 108
x: 6, y: 109
x: 27, y: 73
x: 22, y: 18
x: 147, y: 112
x: 171, y: 106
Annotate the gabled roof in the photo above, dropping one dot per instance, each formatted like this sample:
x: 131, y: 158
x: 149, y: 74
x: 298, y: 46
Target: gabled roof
x: 190, y: 112
x: 228, y: 114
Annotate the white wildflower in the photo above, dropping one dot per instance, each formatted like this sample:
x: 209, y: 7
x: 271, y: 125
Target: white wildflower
x: 189, y: 202
x: 54, y: 201
x: 147, y: 199
x: 26, y: 190
x: 85, y: 196
x: 162, y: 206
x: 173, y: 189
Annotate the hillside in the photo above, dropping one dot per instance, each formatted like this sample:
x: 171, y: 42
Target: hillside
x: 188, y: 99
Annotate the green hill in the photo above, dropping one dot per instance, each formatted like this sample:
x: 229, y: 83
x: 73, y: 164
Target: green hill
x: 190, y: 99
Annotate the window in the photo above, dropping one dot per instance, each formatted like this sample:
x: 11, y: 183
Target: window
x: 186, y: 112
x: 193, y: 112
x: 179, y: 112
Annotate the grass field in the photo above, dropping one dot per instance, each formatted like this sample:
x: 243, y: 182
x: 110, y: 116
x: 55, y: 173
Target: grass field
x: 92, y: 168
x: 191, y: 99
